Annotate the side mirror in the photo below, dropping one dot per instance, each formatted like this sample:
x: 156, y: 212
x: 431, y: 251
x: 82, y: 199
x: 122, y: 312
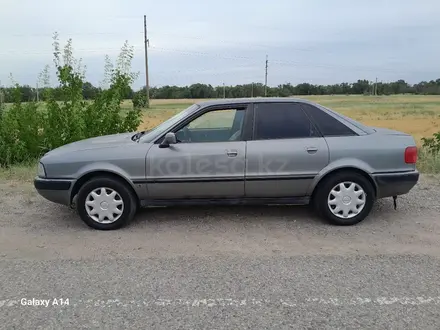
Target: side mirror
x: 170, y: 138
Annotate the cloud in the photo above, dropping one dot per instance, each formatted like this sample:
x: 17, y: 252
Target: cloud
x: 226, y: 42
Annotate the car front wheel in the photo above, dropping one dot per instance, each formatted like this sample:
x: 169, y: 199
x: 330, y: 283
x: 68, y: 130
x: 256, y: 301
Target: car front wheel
x: 106, y: 203
x: 345, y: 198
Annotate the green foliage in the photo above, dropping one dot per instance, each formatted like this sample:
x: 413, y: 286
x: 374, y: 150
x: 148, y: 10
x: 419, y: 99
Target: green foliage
x: 140, y: 99
x: 360, y: 87
x: 432, y: 144
x: 428, y: 162
x: 27, y: 131
x: 19, y: 131
x: 197, y: 91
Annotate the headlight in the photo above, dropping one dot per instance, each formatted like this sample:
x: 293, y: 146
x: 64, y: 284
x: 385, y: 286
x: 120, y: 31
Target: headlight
x: 41, y: 171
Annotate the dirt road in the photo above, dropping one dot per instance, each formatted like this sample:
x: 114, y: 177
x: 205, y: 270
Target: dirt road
x: 241, y: 267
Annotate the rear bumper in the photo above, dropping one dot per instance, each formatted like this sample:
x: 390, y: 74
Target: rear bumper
x: 54, y: 190
x: 393, y: 184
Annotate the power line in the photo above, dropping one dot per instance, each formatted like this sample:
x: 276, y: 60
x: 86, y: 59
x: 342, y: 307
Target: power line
x: 214, y: 71
x: 188, y: 52
x: 69, y: 34
x: 222, y: 56
x: 310, y: 49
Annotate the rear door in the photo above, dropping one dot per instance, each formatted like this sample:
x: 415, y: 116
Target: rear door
x: 285, y: 153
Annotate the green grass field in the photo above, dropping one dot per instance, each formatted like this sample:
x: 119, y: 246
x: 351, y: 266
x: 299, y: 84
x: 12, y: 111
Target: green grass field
x: 418, y: 115
x: 414, y: 114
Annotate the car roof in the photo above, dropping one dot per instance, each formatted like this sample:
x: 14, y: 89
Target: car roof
x: 252, y: 100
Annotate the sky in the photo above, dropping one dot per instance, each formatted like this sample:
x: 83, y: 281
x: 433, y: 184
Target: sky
x: 226, y: 42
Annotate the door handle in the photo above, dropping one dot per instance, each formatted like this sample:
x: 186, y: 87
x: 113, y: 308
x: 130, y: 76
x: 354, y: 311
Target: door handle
x: 311, y: 150
x: 232, y: 153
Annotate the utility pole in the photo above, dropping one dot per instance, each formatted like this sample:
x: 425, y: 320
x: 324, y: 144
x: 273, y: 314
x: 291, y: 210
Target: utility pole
x: 147, y: 43
x: 375, y: 87
x: 224, y: 91
x: 265, y: 78
x: 1, y: 95
x: 252, y: 90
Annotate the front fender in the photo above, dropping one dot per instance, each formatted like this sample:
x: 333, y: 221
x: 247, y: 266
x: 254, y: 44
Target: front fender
x: 102, y: 167
x: 342, y: 163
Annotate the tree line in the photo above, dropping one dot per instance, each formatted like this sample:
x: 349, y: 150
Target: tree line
x: 200, y: 91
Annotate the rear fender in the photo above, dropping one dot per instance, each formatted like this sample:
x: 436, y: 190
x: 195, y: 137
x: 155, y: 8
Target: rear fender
x: 343, y: 163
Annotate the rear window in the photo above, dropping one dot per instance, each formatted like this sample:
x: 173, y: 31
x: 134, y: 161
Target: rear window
x: 327, y: 125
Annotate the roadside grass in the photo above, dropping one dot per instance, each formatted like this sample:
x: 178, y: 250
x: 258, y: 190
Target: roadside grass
x: 428, y: 163
x: 20, y: 173
x: 417, y: 115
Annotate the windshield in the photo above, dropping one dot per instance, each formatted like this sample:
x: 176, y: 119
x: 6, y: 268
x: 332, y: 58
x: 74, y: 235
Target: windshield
x: 161, y: 128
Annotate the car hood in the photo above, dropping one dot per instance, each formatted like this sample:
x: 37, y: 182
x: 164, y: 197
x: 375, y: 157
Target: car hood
x: 105, y: 141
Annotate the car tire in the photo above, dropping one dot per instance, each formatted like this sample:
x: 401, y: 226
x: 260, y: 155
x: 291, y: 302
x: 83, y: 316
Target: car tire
x: 327, y: 200
x: 116, y: 195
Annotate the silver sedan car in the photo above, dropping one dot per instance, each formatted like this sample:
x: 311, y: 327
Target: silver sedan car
x: 233, y: 151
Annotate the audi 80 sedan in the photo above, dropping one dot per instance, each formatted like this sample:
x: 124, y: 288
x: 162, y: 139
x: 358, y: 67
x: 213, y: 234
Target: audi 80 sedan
x: 233, y: 151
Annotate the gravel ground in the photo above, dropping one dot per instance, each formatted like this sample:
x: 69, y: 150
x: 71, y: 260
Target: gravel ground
x: 238, y: 267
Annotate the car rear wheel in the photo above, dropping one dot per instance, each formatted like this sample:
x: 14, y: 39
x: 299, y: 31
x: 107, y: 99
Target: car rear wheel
x: 105, y: 203
x: 345, y: 198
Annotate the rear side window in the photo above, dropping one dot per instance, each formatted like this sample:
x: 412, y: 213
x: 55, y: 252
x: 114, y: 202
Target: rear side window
x: 282, y: 121
x: 327, y: 125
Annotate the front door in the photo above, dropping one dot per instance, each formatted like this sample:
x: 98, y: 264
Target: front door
x: 208, y: 160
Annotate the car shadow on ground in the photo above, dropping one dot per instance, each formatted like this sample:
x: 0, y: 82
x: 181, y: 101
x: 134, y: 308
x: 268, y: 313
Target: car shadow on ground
x: 205, y: 215
x: 246, y: 213
x: 247, y: 210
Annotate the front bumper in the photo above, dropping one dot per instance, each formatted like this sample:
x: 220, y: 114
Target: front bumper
x: 394, y: 184
x: 54, y: 190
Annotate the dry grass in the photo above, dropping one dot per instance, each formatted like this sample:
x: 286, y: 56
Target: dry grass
x: 413, y: 114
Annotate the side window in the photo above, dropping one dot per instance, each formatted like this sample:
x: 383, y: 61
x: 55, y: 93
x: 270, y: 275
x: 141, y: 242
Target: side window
x: 281, y: 121
x: 214, y: 119
x: 213, y: 126
x: 327, y: 125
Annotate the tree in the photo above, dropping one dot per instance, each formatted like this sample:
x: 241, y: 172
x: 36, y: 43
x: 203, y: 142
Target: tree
x: 89, y: 91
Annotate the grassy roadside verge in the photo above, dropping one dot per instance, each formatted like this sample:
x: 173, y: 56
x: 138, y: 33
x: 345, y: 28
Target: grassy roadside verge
x: 21, y: 173
x: 25, y: 173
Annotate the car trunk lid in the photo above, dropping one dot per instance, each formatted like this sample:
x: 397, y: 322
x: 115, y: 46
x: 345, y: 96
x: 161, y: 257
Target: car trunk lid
x: 387, y: 131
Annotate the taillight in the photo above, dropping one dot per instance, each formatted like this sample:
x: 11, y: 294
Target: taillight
x: 411, y: 155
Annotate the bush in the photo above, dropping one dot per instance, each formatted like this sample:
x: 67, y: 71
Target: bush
x: 429, y: 156
x: 432, y: 144
x: 20, y: 135
x: 28, y: 130
x: 140, y: 99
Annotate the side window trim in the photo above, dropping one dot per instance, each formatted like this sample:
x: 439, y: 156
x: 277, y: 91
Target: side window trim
x: 315, y: 124
x: 201, y: 112
x: 254, y: 121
